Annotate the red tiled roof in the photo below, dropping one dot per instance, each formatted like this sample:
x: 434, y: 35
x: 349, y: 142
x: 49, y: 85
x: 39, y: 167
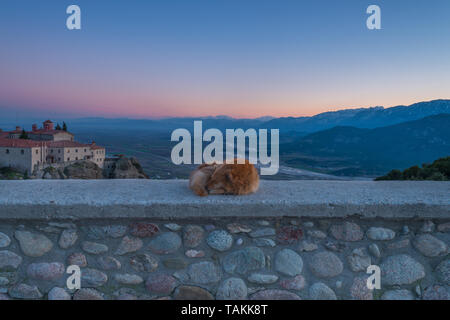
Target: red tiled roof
x: 66, y: 144
x: 51, y: 132
x: 39, y: 131
x: 24, y: 143
x: 20, y: 143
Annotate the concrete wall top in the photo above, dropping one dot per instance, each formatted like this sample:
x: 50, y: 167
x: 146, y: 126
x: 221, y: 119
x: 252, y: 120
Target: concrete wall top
x: 171, y: 199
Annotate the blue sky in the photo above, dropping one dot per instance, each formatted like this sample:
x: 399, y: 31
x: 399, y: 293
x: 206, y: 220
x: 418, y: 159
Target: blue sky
x: 243, y: 58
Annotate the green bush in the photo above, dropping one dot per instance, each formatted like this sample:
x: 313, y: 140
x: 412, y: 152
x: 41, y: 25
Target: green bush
x: 439, y: 170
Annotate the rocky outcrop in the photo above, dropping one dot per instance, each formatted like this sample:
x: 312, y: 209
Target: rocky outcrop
x: 124, y: 168
x: 127, y: 168
x: 83, y: 170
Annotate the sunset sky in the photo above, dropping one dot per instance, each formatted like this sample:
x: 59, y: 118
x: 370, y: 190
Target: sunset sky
x: 241, y: 58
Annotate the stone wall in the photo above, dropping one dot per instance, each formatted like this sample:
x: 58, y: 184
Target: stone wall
x: 226, y: 258
x: 147, y: 239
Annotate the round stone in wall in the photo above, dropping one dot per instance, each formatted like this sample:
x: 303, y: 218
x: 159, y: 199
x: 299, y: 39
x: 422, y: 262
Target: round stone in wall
x: 128, y: 279
x: 232, y: 289
x: 326, y: 264
x: 274, y: 294
x: 9, y: 259
x: 262, y: 278
x: 443, y: 272
x: 33, y: 244
x: 46, y: 271
x: 375, y: 250
x: 195, y: 253
x: 398, y: 294
x: 436, y: 292
x: 115, y: 231
x: 348, y: 231
x: 288, y: 262
x: 244, y: 260
x: 429, y: 245
x: 4, y: 240
x: 220, y: 240
x: 192, y: 236
x: 400, y: 270
x: 68, y: 238
x: 143, y: 229
x: 165, y: 243
x: 109, y: 263
x: 144, y: 262
x: 92, y: 278
x: 57, y: 293
x: 289, y: 234
x: 320, y: 291
x: 24, y: 291
x: 359, y: 260
x: 94, y: 247
x: 204, y: 272
x: 78, y: 259
x: 160, y: 283
x: 359, y: 289
x: 129, y: 244
x: 88, y: 294
x: 296, y: 283
x: 380, y: 234
x: 192, y: 293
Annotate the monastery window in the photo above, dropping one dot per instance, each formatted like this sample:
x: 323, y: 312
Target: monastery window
x: 7, y: 151
x: 22, y: 151
x: 59, y: 151
x: 84, y: 150
x: 76, y: 150
x: 37, y: 151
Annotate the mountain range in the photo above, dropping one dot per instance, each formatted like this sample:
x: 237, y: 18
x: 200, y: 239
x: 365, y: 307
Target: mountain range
x: 351, y: 151
x: 349, y: 142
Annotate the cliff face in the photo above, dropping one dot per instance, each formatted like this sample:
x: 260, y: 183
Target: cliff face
x: 127, y: 168
x: 124, y: 168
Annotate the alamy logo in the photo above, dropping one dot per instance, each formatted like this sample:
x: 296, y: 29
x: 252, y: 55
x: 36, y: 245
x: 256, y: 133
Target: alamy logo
x: 374, y: 280
x: 74, y: 20
x: 74, y: 280
x: 213, y: 152
x: 374, y: 20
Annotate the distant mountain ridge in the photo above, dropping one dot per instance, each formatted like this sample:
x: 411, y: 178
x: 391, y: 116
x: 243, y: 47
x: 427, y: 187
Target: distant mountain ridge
x: 347, y: 150
x: 362, y: 118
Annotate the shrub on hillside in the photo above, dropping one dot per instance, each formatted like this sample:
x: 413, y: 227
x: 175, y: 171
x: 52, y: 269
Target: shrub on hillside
x: 439, y: 170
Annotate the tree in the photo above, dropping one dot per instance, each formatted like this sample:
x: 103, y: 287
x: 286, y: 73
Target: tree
x: 23, y: 135
x: 64, y: 126
x: 58, y: 127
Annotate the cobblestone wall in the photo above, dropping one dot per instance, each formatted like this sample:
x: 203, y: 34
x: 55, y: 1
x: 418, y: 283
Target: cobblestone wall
x: 225, y: 259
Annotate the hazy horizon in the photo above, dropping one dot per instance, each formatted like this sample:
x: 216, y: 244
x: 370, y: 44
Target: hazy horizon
x: 9, y: 115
